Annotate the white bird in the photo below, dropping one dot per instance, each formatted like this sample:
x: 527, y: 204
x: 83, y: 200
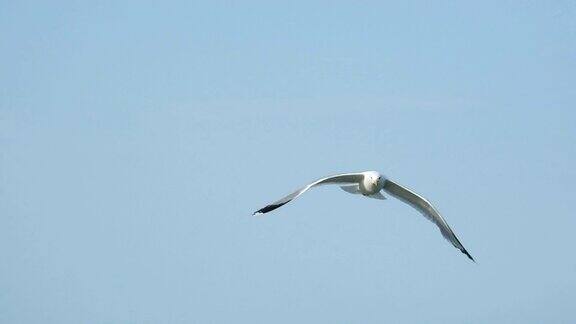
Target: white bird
x: 369, y: 184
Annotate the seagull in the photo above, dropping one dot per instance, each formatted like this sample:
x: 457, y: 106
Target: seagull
x: 370, y: 184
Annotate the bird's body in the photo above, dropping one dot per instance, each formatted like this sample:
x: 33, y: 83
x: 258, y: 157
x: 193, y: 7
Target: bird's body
x: 370, y: 184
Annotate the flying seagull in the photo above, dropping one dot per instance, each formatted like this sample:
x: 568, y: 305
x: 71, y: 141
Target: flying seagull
x: 369, y: 184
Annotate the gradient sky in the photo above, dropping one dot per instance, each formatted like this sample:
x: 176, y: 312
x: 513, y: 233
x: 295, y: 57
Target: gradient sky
x: 137, y: 138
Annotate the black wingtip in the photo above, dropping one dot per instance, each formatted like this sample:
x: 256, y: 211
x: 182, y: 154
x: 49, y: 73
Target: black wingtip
x: 468, y: 255
x: 269, y: 208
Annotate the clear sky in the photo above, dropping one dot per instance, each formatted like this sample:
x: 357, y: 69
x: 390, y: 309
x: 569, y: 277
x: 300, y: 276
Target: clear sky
x: 138, y: 137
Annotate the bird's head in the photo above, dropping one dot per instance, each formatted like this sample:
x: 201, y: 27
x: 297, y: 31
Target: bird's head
x: 376, y: 178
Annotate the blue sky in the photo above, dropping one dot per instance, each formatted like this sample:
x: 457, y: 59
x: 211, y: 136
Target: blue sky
x: 137, y: 139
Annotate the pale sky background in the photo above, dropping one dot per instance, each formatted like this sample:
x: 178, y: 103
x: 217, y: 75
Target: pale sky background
x: 137, y: 138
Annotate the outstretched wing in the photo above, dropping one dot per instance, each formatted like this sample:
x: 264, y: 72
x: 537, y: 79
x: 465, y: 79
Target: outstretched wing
x: 426, y: 208
x: 339, y: 178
